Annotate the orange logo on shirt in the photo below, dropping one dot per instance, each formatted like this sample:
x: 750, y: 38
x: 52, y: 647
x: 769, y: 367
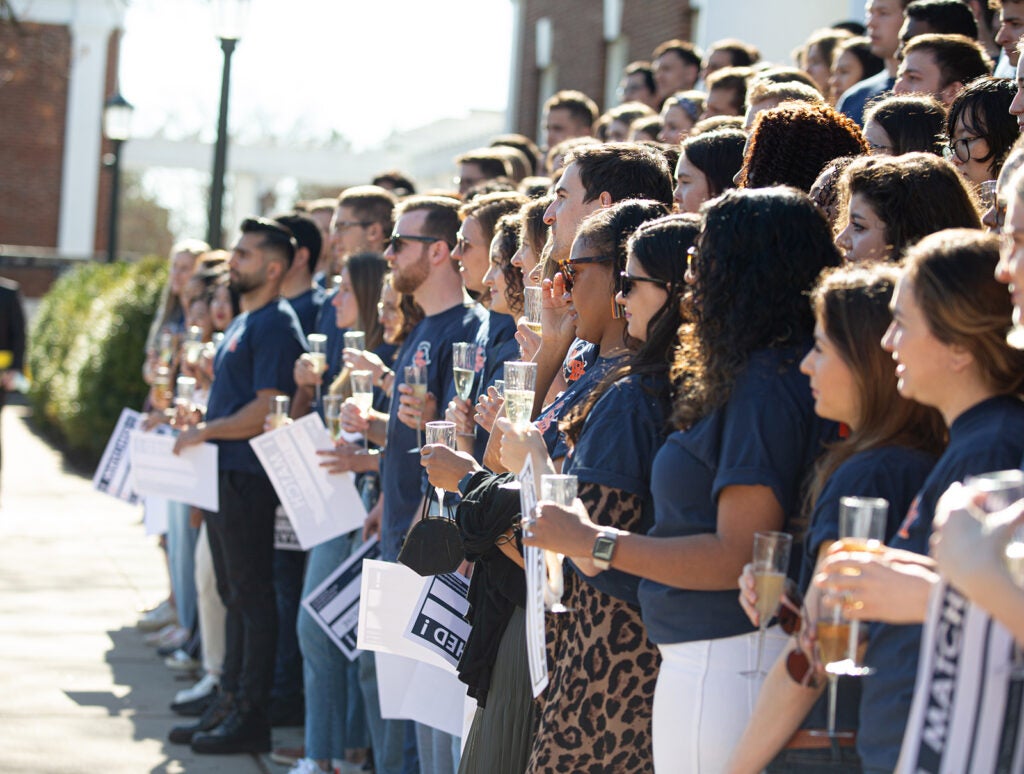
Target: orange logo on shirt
x: 908, y: 522
x: 576, y: 369
x: 421, y: 357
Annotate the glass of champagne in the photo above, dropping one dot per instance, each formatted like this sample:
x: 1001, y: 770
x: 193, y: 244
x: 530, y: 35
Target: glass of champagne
x: 162, y: 388
x: 362, y: 395
x: 520, y: 386
x: 280, y: 406
x: 464, y: 368
x: 443, y: 433
x: 185, y: 389
x: 833, y: 633
x: 771, y: 562
x: 166, y: 347
x: 416, y: 378
x: 318, y: 356
x: 561, y: 490
x: 533, y: 304
x: 355, y: 340
x: 193, y: 344
x: 332, y: 415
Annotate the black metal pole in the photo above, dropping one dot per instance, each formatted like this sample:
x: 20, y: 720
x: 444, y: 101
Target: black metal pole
x: 214, y: 235
x: 115, y: 201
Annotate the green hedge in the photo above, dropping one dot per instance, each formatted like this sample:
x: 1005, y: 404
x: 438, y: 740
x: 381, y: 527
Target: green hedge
x: 86, y: 351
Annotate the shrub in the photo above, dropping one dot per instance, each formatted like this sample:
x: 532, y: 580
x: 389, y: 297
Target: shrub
x: 86, y: 350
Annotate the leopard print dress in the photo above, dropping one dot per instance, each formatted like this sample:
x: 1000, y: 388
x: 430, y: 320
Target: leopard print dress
x: 595, y: 714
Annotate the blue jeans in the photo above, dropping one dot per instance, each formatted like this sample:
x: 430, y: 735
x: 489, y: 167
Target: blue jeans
x: 324, y: 666
x: 388, y: 736
x: 181, y: 558
x: 289, y: 567
x: 437, y: 750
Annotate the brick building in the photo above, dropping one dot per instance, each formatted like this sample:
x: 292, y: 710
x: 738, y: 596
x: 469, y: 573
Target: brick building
x: 58, y: 65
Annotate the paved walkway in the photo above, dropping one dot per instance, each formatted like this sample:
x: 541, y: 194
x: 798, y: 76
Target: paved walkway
x: 79, y: 691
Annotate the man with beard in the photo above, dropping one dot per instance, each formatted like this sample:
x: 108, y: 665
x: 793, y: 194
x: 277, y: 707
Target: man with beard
x: 253, y: 365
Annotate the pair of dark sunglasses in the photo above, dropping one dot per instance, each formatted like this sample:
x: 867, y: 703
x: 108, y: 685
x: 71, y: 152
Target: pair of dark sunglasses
x: 568, y: 268
x: 395, y: 242
x: 790, y: 616
x: 628, y: 281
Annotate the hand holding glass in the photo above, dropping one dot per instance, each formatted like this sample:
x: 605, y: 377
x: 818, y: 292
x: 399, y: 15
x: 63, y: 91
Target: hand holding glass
x: 416, y: 378
x: 561, y: 490
x: 444, y: 434
x: 771, y: 562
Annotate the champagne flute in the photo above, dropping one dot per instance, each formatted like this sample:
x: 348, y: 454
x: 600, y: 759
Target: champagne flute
x: 771, y: 562
x: 416, y: 377
x: 354, y: 340
x: 162, y: 385
x: 1002, y: 489
x: 193, y: 344
x: 166, y: 347
x: 443, y: 433
x: 185, y: 389
x: 520, y: 385
x: 332, y: 413
x: 832, y: 642
x: 464, y: 368
x: 561, y: 490
x: 533, y: 305
x: 862, y: 523
x: 318, y: 356
x: 280, y: 406
x: 362, y: 395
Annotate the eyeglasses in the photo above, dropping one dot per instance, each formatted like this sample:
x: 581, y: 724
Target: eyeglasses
x: 395, y: 242
x: 568, y: 268
x: 961, y: 148
x: 628, y: 282
x: 341, y: 225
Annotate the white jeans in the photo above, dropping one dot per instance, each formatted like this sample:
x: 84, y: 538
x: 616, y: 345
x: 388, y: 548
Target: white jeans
x: 211, y: 609
x: 702, y: 703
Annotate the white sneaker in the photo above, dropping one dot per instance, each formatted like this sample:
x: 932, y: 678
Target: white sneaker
x: 202, y: 688
x: 306, y: 766
x: 158, y: 617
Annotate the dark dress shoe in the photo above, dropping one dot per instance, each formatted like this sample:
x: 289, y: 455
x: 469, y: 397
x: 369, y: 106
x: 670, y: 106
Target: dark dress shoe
x: 212, y: 717
x: 195, y: 707
x: 245, y: 730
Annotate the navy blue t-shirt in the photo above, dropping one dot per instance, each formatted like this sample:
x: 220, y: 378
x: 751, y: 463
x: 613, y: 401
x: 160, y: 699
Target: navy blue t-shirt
x: 616, y: 448
x: 893, y: 472
x: 767, y: 434
x: 496, y: 344
x: 855, y: 99
x: 307, y: 308
x: 258, y: 353
x: 402, y: 476
x: 985, y: 438
x: 572, y: 395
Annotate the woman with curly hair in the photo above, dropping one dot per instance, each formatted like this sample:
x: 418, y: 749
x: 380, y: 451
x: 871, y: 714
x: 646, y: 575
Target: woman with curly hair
x: 890, y: 202
x: 980, y: 128
x: 503, y: 280
x: 747, y: 435
x: 905, y: 124
x: 791, y: 144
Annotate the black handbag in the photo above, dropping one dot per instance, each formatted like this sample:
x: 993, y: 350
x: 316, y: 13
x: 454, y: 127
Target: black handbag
x: 433, y: 545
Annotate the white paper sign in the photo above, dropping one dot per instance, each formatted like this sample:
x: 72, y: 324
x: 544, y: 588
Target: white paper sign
x: 189, y: 477
x: 412, y: 690
x: 113, y: 474
x: 536, y: 582
x: 439, y: 620
x: 334, y: 604
x: 154, y: 515
x: 319, y: 505
x: 285, y: 538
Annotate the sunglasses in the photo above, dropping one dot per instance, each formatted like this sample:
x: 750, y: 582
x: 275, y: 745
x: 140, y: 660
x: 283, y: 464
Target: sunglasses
x: 799, y: 667
x: 628, y: 281
x: 568, y: 268
x: 395, y: 242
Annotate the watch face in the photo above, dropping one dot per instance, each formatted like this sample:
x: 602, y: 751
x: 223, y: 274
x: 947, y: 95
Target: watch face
x: 604, y: 547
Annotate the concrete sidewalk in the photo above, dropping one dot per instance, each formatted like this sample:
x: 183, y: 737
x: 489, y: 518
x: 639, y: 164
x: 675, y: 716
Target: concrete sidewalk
x: 79, y: 691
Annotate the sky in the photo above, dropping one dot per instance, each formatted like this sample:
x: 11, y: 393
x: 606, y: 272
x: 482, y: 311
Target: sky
x: 306, y: 68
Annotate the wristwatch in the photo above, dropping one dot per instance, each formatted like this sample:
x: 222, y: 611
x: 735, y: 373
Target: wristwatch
x: 604, y: 549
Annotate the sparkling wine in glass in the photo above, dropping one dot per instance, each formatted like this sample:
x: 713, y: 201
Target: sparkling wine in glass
x: 464, y: 368
x: 416, y: 378
x: 318, y: 356
x: 441, y: 432
x: 771, y: 562
x: 193, y: 345
x: 520, y: 386
x: 355, y: 340
x: 280, y: 406
x: 332, y: 415
x: 833, y: 634
x: 362, y: 395
x: 561, y: 490
x: 532, y: 306
x: 185, y: 389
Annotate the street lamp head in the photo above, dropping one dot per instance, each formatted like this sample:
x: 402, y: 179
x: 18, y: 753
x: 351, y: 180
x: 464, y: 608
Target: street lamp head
x: 117, y: 118
x: 229, y: 18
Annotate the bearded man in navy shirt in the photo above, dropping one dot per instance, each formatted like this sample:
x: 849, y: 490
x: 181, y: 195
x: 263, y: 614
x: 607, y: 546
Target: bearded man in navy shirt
x: 252, y: 366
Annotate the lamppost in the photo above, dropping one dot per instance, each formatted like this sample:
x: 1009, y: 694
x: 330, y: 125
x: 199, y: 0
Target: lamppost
x: 117, y: 121
x: 229, y: 17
